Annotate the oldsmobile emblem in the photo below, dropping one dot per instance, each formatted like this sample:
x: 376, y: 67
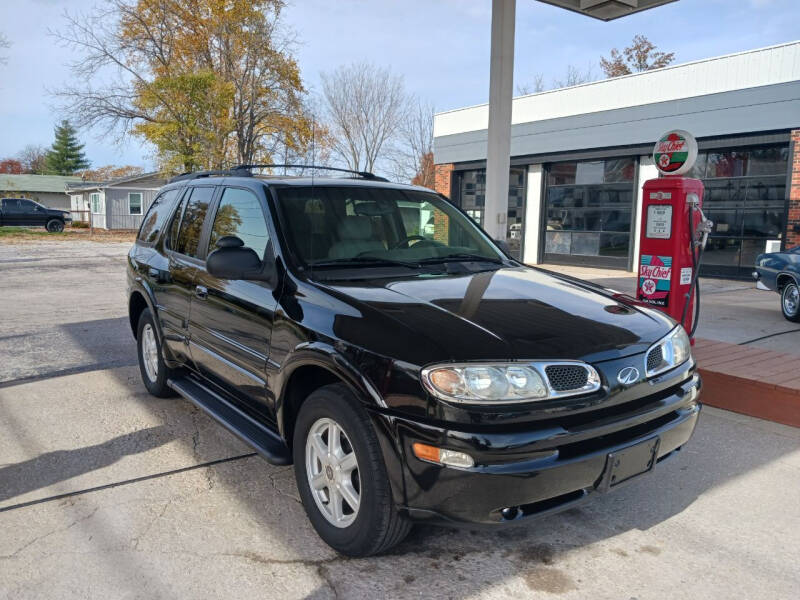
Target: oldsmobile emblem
x: 628, y: 376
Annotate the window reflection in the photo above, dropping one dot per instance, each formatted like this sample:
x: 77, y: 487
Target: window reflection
x: 588, y: 209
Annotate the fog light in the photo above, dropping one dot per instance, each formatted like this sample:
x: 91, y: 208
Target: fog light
x: 442, y: 456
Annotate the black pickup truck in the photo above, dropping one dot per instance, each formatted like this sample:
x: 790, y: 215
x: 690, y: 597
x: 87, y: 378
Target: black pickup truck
x: 21, y: 212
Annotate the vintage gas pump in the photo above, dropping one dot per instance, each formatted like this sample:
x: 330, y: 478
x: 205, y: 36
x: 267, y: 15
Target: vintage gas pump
x: 674, y: 232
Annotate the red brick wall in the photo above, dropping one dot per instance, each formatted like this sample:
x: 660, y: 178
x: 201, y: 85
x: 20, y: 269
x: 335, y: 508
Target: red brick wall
x: 442, y: 178
x: 792, y: 236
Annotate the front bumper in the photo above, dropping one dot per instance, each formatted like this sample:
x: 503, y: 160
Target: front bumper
x: 526, y: 473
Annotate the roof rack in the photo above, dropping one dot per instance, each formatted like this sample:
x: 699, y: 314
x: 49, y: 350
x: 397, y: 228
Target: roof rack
x: 362, y: 174
x: 197, y: 175
x: 246, y: 171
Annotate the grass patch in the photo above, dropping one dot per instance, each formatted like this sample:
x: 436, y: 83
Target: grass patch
x: 25, y: 231
x: 18, y: 235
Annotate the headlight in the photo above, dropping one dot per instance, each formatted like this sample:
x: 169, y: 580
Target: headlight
x: 504, y: 383
x: 672, y: 350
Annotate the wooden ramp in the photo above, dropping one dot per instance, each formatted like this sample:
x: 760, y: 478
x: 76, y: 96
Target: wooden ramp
x: 752, y: 381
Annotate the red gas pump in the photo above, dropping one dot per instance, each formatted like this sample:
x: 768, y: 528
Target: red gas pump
x: 674, y: 232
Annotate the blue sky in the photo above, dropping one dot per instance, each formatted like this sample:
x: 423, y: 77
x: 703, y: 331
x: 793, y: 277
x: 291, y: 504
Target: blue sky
x: 440, y: 47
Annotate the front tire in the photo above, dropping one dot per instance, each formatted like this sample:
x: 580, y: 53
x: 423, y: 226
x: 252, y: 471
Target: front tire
x: 55, y: 226
x: 151, y: 361
x: 790, y: 302
x: 341, y: 475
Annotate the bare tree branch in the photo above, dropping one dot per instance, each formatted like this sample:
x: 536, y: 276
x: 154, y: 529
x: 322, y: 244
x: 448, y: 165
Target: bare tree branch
x: 366, y: 106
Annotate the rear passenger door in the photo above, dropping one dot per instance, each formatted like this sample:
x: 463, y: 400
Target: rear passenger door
x: 182, y: 247
x: 230, y: 321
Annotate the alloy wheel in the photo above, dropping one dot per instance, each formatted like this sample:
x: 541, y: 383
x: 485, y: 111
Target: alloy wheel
x: 332, y: 471
x: 791, y: 300
x: 150, y: 352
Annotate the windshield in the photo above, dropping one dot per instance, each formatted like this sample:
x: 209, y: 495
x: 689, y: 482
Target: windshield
x: 359, y: 226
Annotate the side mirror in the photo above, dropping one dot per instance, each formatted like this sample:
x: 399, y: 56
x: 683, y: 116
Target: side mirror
x: 503, y: 245
x: 231, y: 260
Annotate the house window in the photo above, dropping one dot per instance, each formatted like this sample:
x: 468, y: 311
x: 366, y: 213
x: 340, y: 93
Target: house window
x: 96, y: 203
x: 135, y: 203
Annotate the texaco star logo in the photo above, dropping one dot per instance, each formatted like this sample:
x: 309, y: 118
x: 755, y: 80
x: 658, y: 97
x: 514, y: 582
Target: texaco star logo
x: 664, y: 160
x: 649, y: 286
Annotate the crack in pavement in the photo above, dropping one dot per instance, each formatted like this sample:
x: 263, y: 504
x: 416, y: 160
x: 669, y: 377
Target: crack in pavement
x: 48, y: 534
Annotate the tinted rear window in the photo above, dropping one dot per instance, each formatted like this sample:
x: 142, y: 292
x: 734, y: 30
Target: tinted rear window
x: 193, y: 218
x: 157, y: 215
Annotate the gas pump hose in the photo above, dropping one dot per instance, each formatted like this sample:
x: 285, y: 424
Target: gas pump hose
x: 696, y: 258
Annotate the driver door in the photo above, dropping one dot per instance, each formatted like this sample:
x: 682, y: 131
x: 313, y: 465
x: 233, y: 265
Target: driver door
x: 230, y: 322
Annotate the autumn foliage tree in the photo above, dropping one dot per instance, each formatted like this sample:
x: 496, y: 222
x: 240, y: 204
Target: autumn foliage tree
x: 10, y: 166
x: 208, y: 82
x: 641, y: 55
x: 110, y: 172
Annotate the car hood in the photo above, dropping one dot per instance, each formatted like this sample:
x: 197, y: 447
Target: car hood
x: 510, y: 313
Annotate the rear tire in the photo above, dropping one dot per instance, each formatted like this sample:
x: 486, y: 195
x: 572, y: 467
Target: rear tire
x: 55, y: 226
x: 151, y: 360
x: 790, y: 302
x: 353, y: 465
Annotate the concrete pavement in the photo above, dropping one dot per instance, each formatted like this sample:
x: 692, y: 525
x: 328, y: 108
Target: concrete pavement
x: 107, y: 492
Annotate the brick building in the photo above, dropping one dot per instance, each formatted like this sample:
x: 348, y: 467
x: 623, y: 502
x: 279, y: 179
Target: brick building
x: 580, y: 155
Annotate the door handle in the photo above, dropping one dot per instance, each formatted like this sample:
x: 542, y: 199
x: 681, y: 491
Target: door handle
x: 201, y: 292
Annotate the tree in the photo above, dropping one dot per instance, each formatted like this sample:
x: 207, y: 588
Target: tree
x: 365, y: 107
x: 573, y: 76
x: 413, y: 153
x: 33, y: 158
x: 641, y: 55
x: 208, y: 82
x: 110, y: 172
x: 66, y: 155
x: 523, y: 89
x: 11, y: 166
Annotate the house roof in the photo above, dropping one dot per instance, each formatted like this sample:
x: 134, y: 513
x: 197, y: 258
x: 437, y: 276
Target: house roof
x: 36, y: 183
x: 145, y: 180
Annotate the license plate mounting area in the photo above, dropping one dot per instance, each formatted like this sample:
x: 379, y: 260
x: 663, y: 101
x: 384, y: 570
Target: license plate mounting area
x: 628, y: 463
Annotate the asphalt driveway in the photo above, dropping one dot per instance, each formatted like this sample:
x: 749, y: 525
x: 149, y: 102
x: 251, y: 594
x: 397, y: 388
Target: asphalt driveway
x: 107, y: 492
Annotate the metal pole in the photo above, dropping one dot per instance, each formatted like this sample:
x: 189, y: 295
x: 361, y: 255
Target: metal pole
x: 501, y: 89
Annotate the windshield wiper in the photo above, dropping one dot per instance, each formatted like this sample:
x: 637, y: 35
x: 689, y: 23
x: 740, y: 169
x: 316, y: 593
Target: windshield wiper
x: 362, y: 261
x: 461, y: 257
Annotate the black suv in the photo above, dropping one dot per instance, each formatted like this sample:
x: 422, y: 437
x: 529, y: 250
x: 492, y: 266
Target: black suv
x: 21, y: 212
x: 374, y: 336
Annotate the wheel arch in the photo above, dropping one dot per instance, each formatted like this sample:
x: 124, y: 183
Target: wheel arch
x: 309, y: 368
x: 783, y: 279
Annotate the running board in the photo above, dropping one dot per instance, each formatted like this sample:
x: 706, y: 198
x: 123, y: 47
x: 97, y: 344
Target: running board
x: 265, y: 441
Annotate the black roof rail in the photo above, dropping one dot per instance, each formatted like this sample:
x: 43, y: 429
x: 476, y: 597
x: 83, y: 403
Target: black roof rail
x: 362, y: 174
x: 197, y: 175
x: 245, y: 170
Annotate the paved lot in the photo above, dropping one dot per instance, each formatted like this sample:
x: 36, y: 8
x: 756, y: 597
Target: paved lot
x: 106, y: 492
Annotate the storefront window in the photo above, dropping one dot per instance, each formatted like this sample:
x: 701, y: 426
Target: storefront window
x: 471, y: 197
x: 745, y: 197
x: 589, y: 208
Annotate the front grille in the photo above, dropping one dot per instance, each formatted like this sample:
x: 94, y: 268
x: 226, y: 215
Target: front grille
x: 564, y: 378
x: 654, y: 359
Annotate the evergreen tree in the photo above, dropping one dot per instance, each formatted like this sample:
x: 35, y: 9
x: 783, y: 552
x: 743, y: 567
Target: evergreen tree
x: 66, y: 155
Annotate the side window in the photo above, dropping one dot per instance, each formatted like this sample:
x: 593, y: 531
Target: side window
x: 157, y: 214
x: 240, y: 214
x: 134, y: 203
x: 95, y: 203
x: 193, y: 217
x: 26, y: 206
